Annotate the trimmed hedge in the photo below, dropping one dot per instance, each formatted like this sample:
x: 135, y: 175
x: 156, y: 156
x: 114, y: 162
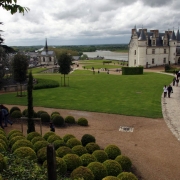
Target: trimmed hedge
x: 31, y: 135
x: 42, y: 154
x: 87, y: 159
x: 79, y: 150
x: 73, y: 142
x: 12, y: 132
x: 40, y: 144
x: 132, y: 70
x: 127, y: 176
x: 82, y: 122
x: 100, y: 155
x: 87, y: 138
x: 58, y: 120
x: 21, y: 143
x: 15, y: 139
x: 36, y: 139
x: 59, y: 143
x: 16, y: 114
x: 70, y: 120
x: 67, y: 137
x: 53, y: 138
x: 46, y: 135
x: 45, y: 117
x: 14, y: 108
x: 91, y: 147
x: 63, y: 150
x: 125, y: 162
x: 112, y: 151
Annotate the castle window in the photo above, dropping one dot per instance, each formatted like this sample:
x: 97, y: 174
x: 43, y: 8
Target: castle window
x: 146, y: 51
x: 165, y: 43
x: 154, y: 42
x: 164, y: 51
x: 50, y: 59
x: 135, y: 52
x: 135, y: 62
x: 43, y: 59
x: 152, y: 61
x: 164, y: 60
x: 153, y: 51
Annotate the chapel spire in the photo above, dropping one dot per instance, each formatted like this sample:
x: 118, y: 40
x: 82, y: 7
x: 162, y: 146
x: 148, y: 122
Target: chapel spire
x: 178, y: 35
x: 46, y: 46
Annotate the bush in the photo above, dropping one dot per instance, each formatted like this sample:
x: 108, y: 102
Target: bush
x: 25, y: 113
x: 58, y: 143
x: 67, y: 137
x: 112, y: 151
x: 31, y: 135
x: 79, y: 150
x: 87, y: 158
x: 15, y: 139
x: 4, y: 144
x: 63, y: 150
x: 40, y: 144
x: 91, y: 147
x: 2, y: 132
x: 42, y: 154
x: 45, y: 117
x: 55, y: 112
x: 15, y: 108
x: 73, y: 142
x: 4, y: 138
x: 25, y: 152
x: 39, y: 113
x: 98, y: 170
x: 82, y: 122
x: 21, y: 143
x: 16, y: 134
x: 12, y: 132
x: 53, y: 116
x: 82, y: 173
x: 2, y: 163
x: 70, y: 120
x: 53, y: 138
x: 167, y: 67
x: 127, y: 176
x: 113, y: 167
x: 125, y: 162
x: 132, y: 70
x: 36, y: 139
x: 16, y: 114
x: 58, y: 120
x: 100, y: 155
x: 72, y: 161
x: 2, y: 148
x: 110, y: 178
x: 46, y: 135
x: 87, y: 138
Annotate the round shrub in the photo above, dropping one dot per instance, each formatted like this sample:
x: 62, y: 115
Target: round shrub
x: 15, y: 139
x: 58, y: 143
x: 73, y: 142
x: 79, y: 150
x: 46, y: 135
x: 2, y: 148
x: 127, y: 176
x: 98, y: 170
x: 25, y: 152
x: 36, y: 139
x: 82, y: 122
x: 87, y: 158
x: 112, y: 151
x: 72, y: 161
x: 42, y: 154
x: 45, y: 117
x: 70, y: 120
x: 4, y: 144
x: 40, y: 144
x: 2, y: 132
x: 21, y: 143
x: 53, y: 116
x: 87, y: 138
x: 91, y: 147
x: 39, y: 113
x: 16, y: 134
x: 82, y: 173
x: 62, y: 151
x: 15, y: 108
x: 12, y: 132
x: 110, y: 178
x: 53, y: 138
x: 55, y: 112
x: 4, y: 138
x: 125, y: 162
x: 58, y: 120
x: 113, y: 167
x: 2, y: 163
x: 16, y: 114
x: 100, y: 155
x: 67, y: 137
x: 25, y: 113
x: 31, y: 135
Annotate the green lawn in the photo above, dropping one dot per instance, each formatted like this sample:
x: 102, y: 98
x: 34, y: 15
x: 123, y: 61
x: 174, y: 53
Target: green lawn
x: 138, y: 95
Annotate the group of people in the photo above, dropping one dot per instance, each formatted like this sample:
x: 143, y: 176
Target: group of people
x: 4, y: 116
x: 167, y: 90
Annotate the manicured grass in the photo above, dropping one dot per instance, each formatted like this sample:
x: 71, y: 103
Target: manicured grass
x: 138, y: 95
x: 37, y: 70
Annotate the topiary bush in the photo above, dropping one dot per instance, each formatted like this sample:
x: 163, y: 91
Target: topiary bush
x: 67, y: 137
x: 62, y: 151
x: 112, y: 151
x: 4, y: 138
x: 82, y: 173
x: 113, y: 167
x: 2, y: 163
x: 87, y: 158
x: 15, y: 134
x: 45, y: 117
x: 72, y: 161
x: 100, y: 155
x: 53, y: 116
x: 53, y: 138
x: 110, y: 178
x: 58, y: 120
x: 2, y: 148
x: 2, y: 132
x: 4, y: 144
x: 70, y: 120
x: 40, y: 144
x: 87, y: 138
x: 31, y: 135
x: 73, y: 142
x: 12, y: 132
x: 25, y: 152
x: 59, y: 143
x: 79, y: 150
x: 46, y: 135
x: 91, y: 147
x: 55, y: 112
x: 36, y: 139
x: 16, y: 114
x: 21, y: 143
x: 25, y: 113
x: 39, y: 113
x: 82, y: 122
x: 14, y: 108
x: 15, y: 139
x: 125, y: 162
x: 127, y: 176
x: 98, y: 170
x: 42, y: 155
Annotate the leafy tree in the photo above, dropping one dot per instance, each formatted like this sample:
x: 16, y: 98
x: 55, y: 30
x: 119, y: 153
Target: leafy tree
x: 65, y: 61
x: 31, y: 127
x: 2, y: 62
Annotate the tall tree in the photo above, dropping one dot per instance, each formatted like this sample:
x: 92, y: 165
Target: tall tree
x: 64, y: 61
x: 31, y: 127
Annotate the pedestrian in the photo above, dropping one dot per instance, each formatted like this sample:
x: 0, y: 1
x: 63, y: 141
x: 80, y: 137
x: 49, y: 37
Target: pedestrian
x: 52, y: 128
x: 165, y: 91
x: 5, y: 115
x: 174, y: 80
x: 177, y: 81
x: 170, y: 90
x: 1, y: 119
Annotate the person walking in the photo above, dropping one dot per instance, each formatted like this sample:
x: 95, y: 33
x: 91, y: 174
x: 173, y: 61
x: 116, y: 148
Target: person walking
x: 174, y: 80
x: 5, y: 115
x: 170, y: 90
x: 177, y: 81
x: 165, y: 91
x: 52, y: 128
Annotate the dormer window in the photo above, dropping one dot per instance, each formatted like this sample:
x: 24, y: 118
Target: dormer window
x: 165, y: 42
x: 134, y: 52
x: 164, y: 51
x: 153, y: 51
x: 153, y: 42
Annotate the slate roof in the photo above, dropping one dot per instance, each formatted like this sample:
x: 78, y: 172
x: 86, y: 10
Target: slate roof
x: 178, y: 36
x: 142, y: 36
x: 47, y: 53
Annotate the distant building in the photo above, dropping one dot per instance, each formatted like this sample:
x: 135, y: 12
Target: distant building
x: 47, y: 57
x: 153, y: 48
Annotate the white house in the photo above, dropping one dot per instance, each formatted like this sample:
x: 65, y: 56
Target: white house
x: 153, y: 48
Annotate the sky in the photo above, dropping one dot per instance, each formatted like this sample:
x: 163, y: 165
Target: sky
x: 86, y: 22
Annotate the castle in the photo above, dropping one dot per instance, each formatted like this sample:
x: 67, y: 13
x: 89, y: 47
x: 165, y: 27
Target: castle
x: 153, y: 48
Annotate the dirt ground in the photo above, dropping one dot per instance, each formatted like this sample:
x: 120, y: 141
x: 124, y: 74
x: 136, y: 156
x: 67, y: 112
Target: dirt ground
x: 152, y: 148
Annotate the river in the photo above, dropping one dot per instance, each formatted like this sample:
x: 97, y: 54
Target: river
x: 108, y: 55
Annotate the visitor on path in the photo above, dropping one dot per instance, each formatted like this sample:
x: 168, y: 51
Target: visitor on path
x: 177, y: 81
x: 1, y: 119
x: 5, y: 115
x: 165, y: 91
x: 52, y: 128
x: 174, y: 80
x: 170, y: 90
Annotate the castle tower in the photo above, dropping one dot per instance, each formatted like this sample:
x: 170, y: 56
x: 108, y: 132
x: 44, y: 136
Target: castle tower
x: 172, y: 48
x: 178, y: 38
x: 46, y: 46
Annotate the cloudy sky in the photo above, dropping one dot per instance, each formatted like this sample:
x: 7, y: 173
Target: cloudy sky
x: 83, y: 22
